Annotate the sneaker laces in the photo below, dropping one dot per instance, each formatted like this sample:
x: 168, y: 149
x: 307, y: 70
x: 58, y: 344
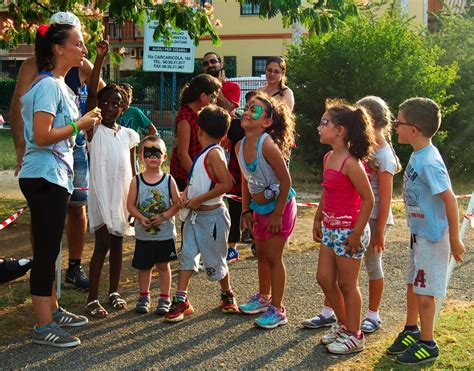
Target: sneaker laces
x: 227, y: 297
x: 270, y: 312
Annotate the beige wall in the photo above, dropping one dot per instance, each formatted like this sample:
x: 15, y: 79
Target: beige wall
x: 245, y: 36
x: 249, y: 36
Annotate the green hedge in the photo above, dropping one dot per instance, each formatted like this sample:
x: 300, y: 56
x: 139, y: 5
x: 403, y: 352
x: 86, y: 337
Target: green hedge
x: 381, y: 56
x: 7, y: 87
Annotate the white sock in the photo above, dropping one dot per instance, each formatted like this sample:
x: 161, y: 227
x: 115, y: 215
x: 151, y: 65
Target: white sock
x: 23, y: 262
x: 327, y: 312
x: 373, y: 315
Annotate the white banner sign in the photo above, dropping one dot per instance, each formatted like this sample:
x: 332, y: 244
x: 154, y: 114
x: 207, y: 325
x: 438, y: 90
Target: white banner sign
x: 177, y: 57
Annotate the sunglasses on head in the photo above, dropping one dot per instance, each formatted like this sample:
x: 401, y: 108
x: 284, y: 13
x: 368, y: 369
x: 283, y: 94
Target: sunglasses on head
x: 149, y: 152
x: 210, y: 61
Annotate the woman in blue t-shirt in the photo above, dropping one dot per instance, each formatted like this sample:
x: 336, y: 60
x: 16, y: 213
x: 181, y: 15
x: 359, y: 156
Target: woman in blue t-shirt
x: 51, y: 122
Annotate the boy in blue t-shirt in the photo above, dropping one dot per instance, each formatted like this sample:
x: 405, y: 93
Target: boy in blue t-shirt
x: 432, y: 215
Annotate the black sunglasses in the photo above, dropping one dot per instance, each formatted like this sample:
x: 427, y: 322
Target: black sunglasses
x: 211, y: 61
x: 397, y: 123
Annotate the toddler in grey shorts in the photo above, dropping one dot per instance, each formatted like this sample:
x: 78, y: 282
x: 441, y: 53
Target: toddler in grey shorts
x: 205, y: 233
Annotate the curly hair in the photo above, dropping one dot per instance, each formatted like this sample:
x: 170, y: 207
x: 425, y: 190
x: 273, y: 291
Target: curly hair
x: 57, y: 34
x: 114, y: 87
x: 282, y: 129
x: 358, y: 124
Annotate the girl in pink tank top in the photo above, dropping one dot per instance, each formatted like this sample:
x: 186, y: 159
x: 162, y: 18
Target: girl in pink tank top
x: 340, y: 223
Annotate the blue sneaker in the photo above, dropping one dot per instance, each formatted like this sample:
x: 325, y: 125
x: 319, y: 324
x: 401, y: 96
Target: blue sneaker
x: 272, y: 318
x: 232, y: 255
x: 255, y: 304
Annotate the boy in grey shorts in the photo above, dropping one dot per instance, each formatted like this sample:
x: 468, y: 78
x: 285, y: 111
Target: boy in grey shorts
x: 207, y: 220
x: 432, y: 215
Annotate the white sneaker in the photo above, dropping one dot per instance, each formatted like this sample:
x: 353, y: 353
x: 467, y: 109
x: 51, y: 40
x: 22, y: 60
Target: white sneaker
x: 347, y: 343
x: 333, y: 334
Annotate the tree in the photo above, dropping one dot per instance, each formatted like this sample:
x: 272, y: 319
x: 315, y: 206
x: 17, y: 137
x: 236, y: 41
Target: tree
x: 318, y: 16
x: 370, y: 56
x: 456, y: 37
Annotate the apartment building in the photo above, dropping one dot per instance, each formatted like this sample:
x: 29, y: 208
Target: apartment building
x: 247, y: 40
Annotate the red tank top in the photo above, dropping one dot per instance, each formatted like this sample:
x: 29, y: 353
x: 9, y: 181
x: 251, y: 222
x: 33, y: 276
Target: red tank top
x: 341, y: 204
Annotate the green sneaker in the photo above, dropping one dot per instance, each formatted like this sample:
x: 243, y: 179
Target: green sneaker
x: 418, y: 353
x: 403, y: 341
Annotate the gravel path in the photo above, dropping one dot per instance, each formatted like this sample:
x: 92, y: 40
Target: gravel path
x: 210, y: 339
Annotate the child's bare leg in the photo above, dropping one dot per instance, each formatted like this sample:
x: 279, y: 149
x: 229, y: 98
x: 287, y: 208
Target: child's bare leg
x: 412, y: 307
x: 225, y: 283
x: 97, y: 262
x: 115, y: 261
x: 164, y: 274
x: 348, y: 280
x: 426, y: 307
x: 184, y: 277
x: 144, y: 280
x: 273, y: 248
x: 327, y: 280
x: 375, y: 294
x: 264, y: 275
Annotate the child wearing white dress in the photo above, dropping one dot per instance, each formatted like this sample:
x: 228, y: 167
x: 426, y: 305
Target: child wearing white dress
x: 112, y: 154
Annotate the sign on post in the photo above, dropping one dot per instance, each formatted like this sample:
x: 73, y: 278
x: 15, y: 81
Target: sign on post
x: 158, y: 57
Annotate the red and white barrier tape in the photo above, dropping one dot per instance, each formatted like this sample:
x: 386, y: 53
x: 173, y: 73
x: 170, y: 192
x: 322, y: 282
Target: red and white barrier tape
x: 316, y: 204
x: 12, y: 218
x: 81, y: 188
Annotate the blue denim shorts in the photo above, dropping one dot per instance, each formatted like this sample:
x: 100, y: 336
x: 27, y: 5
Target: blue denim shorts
x: 333, y: 238
x: 81, y: 176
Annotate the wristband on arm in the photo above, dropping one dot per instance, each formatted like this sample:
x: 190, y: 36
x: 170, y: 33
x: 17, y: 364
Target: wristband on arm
x: 74, y: 126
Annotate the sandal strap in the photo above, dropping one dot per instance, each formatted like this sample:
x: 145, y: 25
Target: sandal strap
x: 370, y: 322
x: 114, y: 294
x: 93, y: 302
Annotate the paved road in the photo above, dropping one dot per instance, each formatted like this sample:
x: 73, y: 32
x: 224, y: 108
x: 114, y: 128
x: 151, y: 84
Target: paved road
x: 210, y: 339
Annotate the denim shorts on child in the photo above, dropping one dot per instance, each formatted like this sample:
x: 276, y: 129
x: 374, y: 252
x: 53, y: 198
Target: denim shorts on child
x: 81, y: 175
x: 428, y: 265
x: 288, y: 221
x: 149, y: 253
x: 333, y: 238
x: 205, y: 233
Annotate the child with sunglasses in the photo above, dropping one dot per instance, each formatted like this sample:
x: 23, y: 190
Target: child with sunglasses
x: 266, y: 189
x: 153, y: 200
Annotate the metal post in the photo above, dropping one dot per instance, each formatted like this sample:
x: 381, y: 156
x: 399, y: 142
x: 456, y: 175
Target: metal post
x: 452, y: 262
x: 173, y: 96
x: 58, y: 272
x: 162, y: 105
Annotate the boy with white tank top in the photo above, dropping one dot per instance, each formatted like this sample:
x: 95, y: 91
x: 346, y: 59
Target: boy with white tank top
x: 207, y: 220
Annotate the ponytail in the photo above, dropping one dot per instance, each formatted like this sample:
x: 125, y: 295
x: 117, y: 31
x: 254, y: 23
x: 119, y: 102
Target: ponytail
x: 358, y: 124
x: 381, y: 116
x: 46, y: 38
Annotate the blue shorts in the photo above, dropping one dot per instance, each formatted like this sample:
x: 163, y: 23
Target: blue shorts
x: 81, y: 176
x: 333, y: 238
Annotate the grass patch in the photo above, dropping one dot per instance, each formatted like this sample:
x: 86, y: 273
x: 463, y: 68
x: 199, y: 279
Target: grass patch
x: 8, y: 158
x: 453, y: 334
x: 9, y: 206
